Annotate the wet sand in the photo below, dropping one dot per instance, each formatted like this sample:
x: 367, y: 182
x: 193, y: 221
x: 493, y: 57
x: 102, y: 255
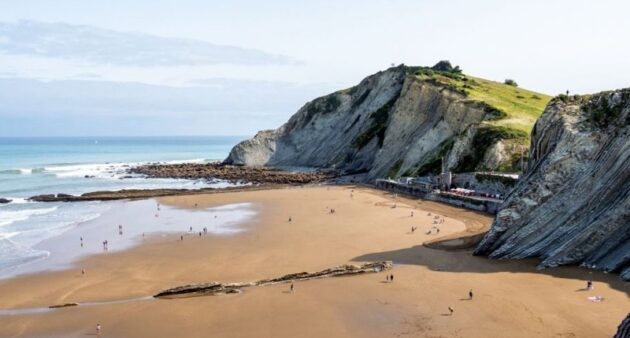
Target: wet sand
x: 510, y: 298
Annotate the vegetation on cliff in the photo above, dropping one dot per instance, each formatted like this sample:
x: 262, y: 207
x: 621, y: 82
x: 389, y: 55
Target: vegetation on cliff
x: 520, y: 107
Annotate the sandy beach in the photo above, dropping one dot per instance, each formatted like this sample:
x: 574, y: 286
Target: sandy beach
x: 511, y: 298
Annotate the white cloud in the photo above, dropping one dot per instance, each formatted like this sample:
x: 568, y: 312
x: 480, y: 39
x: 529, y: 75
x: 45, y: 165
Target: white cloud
x: 102, y: 46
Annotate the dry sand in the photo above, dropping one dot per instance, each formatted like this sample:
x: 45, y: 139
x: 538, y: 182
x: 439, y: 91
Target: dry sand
x: 511, y: 299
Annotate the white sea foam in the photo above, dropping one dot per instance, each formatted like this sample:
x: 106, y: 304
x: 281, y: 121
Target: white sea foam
x: 10, y: 216
x: 18, y: 200
x: 8, y: 235
x: 105, y: 170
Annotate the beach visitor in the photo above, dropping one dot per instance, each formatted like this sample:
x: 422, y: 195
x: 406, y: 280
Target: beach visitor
x: 199, y: 233
x: 589, y: 285
x: 451, y: 310
x: 411, y: 214
x: 190, y: 229
x: 391, y: 277
x: 292, y: 287
x: 289, y: 218
x: 470, y: 294
x: 82, y: 271
x: 98, y: 329
x: 181, y: 237
x: 81, y: 241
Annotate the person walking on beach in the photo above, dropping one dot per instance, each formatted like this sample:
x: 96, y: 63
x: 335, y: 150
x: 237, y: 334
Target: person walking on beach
x: 190, y: 229
x: 391, y: 278
x: 589, y: 285
x: 292, y: 287
x: 98, y: 329
x: 411, y: 214
x: 470, y: 294
x: 181, y: 237
x: 83, y: 272
x: 289, y: 219
x: 81, y: 241
x: 451, y: 310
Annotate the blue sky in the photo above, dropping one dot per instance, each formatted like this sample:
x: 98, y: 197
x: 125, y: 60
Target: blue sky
x: 217, y: 68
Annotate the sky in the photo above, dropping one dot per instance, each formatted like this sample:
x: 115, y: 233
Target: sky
x: 188, y: 67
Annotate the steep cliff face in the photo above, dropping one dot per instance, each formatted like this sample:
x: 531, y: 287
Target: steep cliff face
x: 401, y: 121
x: 573, y: 204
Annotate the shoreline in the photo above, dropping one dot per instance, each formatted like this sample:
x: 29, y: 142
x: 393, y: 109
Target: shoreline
x: 140, y: 221
x: 364, y: 228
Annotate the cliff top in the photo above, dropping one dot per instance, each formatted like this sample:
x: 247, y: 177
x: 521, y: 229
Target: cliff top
x: 517, y: 108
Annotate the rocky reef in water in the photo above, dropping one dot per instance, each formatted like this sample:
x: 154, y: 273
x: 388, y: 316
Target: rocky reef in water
x: 210, y: 171
x: 572, y: 205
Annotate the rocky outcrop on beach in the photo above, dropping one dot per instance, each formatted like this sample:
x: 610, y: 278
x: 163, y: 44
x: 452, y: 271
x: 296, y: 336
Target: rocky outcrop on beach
x: 572, y: 205
x: 211, y: 171
x: 401, y: 121
x: 623, y: 331
x: 216, y: 288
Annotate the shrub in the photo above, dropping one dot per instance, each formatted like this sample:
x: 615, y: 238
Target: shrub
x: 510, y: 82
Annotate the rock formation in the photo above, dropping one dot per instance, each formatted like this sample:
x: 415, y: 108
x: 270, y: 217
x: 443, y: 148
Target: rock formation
x: 216, y: 288
x: 401, y: 121
x: 623, y: 331
x: 211, y: 171
x: 572, y: 205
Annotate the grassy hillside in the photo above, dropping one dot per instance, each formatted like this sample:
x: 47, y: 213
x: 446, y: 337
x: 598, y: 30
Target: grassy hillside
x: 518, y: 108
x: 514, y: 112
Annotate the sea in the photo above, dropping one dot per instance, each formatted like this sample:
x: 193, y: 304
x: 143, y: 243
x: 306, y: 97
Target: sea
x: 75, y: 165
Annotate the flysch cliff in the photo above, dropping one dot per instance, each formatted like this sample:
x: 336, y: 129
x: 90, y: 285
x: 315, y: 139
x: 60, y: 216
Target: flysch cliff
x: 402, y: 121
x: 573, y: 204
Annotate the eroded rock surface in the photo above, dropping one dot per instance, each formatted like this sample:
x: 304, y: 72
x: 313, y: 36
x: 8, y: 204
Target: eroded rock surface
x: 393, y: 123
x: 231, y: 173
x: 623, y: 331
x: 216, y: 288
x: 573, y: 204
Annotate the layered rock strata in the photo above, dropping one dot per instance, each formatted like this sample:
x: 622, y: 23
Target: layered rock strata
x: 572, y: 205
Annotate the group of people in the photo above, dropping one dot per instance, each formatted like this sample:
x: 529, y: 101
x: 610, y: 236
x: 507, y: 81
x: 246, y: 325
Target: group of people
x: 203, y: 231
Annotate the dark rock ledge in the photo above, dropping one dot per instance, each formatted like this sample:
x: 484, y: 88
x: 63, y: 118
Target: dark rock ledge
x: 216, y: 288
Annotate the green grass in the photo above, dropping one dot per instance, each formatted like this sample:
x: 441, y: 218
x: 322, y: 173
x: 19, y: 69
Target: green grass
x: 521, y: 107
x: 485, y: 136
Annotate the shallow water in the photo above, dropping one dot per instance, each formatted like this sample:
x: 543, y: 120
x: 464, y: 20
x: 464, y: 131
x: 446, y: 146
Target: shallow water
x: 33, y: 166
x: 138, y: 219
